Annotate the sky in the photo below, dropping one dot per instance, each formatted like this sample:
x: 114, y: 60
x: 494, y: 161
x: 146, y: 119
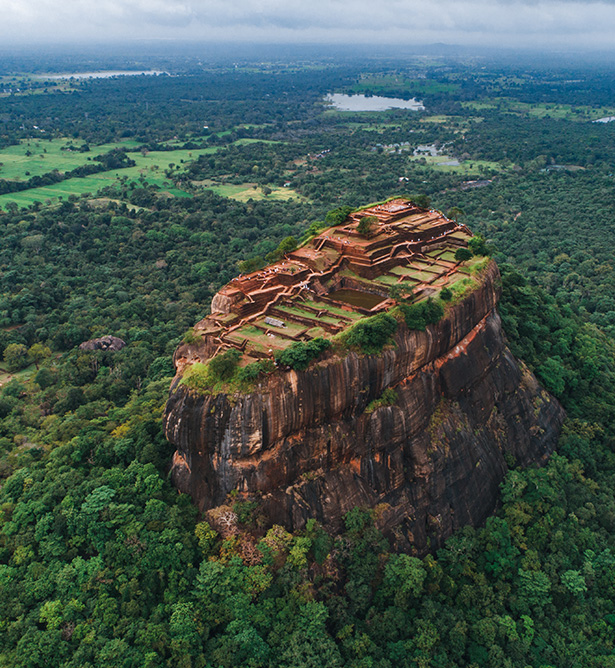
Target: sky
x: 528, y: 24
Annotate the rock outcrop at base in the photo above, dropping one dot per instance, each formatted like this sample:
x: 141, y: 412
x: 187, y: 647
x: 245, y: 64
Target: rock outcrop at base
x: 108, y: 342
x: 304, y: 444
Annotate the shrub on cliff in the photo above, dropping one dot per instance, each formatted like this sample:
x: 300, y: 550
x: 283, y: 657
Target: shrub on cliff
x: 418, y: 316
x: 365, y: 225
x: 299, y: 355
x: 250, y: 373
x: 223, y: 366
x: 463, y: 254
x: 197, y: 377
x: 446, y: 294
x: 339, y: 215
x: 372, y: 334
x: 287, y: 245
x: 223, y: 373
x: 315, y: 228
x: 387, y: 398
x: 191, y: 337
x: 422, y: 200
x: 478, y: 245
x: 251, y: 264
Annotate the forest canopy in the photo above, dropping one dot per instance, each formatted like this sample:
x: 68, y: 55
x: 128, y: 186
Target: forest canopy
x: 102, y: 562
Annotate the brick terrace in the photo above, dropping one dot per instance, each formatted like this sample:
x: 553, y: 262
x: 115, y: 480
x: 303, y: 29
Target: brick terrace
x: 298, y: 297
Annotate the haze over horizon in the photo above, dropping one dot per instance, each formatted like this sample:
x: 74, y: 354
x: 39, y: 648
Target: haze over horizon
x: 546, y: 24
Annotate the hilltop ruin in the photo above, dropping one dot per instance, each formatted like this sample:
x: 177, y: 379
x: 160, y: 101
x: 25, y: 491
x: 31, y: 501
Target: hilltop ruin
x: 337, y: 277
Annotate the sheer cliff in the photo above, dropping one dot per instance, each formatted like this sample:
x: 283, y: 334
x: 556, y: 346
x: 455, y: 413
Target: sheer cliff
x: 430, y: 459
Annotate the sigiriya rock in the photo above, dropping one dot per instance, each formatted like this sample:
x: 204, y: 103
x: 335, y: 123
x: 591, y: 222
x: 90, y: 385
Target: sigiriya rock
x: 423, y: 431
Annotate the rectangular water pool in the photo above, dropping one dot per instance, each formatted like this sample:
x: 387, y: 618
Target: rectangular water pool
x: 365, y: 300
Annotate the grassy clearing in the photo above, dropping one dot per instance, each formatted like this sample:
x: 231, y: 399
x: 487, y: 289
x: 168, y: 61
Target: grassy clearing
x: 290, y: 329
x: 104, y: 201
x: 479, y: 106
x: 581, y: 113
x: 22, y: 375
x: 245, y: 191
x: 316, y: 332
x: 249, y: 140
x: 475, y: 266
x: 403, y: 271
x: 278, y: 194
x: 45, y: 156
x: 478, y: 264
x: 566, y: 112
x: 390, y: 84
x: 453, y: 123
x: 205, y: 379
x: 422, y: 276
x: 149, y: 168
x: 18, y: 86
x: 438, y: 118
x: 466, y: 167
x: 372, y: 127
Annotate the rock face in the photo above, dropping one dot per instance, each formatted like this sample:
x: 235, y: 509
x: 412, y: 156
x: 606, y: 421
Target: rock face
x: 304, y: 444
x: 108, y: 342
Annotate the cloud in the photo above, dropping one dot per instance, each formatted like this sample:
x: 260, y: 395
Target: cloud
x: 523, y: 23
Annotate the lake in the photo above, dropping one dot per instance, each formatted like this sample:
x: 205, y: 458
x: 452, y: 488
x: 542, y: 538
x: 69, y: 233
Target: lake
x: 374, y: 103
x: 102, y: 75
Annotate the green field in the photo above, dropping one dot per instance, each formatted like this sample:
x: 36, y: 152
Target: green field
x: 542, y: 110
x: 46, y: 155
x: 21, y: 86
x: 244, y: 191
x: 150, y: 167
x: 394, y: 84
x: 467, y: 167
x: 22, y: 375
x: 372, y: 127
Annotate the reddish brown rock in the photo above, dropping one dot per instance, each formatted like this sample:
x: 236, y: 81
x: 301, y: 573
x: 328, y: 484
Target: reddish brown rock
x: 304, y: 444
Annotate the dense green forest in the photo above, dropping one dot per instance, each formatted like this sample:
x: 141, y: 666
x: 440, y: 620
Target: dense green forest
x: 102, y: 563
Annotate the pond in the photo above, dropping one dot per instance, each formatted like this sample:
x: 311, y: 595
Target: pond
x: 374, y: 103
x: 356, y: 298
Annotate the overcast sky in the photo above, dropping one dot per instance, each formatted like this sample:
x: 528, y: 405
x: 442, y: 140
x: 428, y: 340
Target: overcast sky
x: 524, y: 23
